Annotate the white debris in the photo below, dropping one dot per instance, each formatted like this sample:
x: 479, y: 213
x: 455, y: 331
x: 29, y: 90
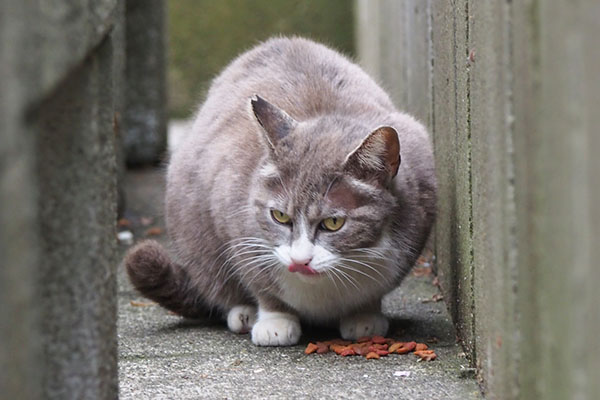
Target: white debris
x: 125, y: 237
x: 403, y: 374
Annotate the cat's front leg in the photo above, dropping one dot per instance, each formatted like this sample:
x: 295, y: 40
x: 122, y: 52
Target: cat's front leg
x: 368, y: 322
x: 275, y: 326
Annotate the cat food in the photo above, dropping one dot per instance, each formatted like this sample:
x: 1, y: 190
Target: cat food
x: 426, y: 355
x: 372, y: 348
x: 311, y: 348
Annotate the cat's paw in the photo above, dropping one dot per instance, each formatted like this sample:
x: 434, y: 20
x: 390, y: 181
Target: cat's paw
x: 277, y: 329
x: 241, y: 319
x: 367, y: 324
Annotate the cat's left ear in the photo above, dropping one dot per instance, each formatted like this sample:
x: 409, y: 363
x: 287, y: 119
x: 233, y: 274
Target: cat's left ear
x: 275, y: 122
x: 378, y: 156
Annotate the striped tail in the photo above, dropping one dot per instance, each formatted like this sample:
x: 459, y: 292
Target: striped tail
x: 155, y: 276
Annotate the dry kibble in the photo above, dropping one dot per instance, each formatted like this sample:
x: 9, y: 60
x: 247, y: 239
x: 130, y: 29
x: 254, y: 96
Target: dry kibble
x: 322, y: 348
x: 371, y: 347
x: 395, y: 346
x: 378, y: 339
x: 426, y: 355
x: 347, y: 352
x: 406, y: 348
x: 421, y: 346
x: 311, y: 348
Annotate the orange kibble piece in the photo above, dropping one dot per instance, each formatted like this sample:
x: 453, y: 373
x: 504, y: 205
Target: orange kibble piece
x: 337, y: 348
x: 426, y: 355
x: 372, y: 355
x: 311, y: 348
x: 363, y: 339
x: 421, y: 346
x: 347, y: 352
x: 341, y: 342
x: 378, y: 339
x: 395, y: 346
x: 406, y: 348
x: 322, y: 348
x: 382, y: 352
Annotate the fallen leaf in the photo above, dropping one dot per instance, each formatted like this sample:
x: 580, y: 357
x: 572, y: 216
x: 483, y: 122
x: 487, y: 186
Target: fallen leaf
x: 154, y: 231
x: 141, y: 303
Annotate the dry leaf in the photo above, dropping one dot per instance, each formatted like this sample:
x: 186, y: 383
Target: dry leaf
x: 154, y: 231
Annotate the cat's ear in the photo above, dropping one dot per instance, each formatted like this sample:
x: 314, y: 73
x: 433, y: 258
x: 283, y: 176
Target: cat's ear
x: 275, y: 122
x: 378, y: 156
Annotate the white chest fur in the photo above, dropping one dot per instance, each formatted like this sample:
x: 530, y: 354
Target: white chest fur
x: 331, y: 296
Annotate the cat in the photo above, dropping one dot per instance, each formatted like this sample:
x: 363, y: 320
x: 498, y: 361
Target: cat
x: 300, y: 194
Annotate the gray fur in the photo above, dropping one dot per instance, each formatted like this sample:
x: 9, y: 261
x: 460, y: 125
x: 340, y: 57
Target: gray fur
x: 219, y: 191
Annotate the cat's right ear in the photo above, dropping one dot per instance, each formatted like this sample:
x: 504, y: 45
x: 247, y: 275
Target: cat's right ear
x: 275, y: 122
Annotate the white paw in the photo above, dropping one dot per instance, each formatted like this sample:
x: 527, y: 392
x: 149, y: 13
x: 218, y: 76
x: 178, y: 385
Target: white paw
x: 359, y: 325
x: 277, y: 329
x: 241, y: 319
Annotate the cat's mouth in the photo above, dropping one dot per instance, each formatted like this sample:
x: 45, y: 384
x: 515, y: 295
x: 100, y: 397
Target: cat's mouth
x: 303, y: 269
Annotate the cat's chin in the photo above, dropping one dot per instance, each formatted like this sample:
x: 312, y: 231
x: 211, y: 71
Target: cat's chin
x: 309, y: 278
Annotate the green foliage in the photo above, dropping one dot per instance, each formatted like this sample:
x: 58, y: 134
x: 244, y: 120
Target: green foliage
x: 204, y: 35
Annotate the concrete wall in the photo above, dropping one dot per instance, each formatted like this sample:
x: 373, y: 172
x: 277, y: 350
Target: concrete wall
x: 59, y: 65
x: 509, y: 90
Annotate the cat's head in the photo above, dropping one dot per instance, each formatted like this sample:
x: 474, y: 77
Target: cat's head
x: 324, y: 190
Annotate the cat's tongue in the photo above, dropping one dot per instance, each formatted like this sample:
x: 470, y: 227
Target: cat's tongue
x: 302, y: 268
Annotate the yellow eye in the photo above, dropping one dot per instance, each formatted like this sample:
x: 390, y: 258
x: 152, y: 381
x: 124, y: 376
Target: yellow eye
x: 333, y: 223
x: 280, y: 217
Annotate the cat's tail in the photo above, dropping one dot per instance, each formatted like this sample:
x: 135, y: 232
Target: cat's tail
x: 152, y: 272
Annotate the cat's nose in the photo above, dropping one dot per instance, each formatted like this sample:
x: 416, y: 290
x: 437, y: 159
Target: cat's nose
x: 301, y: 260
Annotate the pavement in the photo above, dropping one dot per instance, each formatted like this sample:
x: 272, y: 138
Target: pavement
x: 163, y: 356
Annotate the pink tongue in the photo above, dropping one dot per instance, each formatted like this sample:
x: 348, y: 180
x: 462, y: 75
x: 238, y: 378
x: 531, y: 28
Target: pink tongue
x: 303, y: 269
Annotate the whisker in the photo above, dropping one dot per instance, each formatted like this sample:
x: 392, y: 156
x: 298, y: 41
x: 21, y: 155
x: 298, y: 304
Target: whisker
x: 360, y: 272
x: 364, y: 264
x: 347, y: 277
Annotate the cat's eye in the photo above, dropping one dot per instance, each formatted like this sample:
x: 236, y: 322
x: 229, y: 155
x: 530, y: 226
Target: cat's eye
x: 280, y: 217
x: 333, y: 223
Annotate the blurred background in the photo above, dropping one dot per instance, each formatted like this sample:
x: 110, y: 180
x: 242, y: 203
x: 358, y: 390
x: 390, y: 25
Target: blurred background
x: 205, y: 35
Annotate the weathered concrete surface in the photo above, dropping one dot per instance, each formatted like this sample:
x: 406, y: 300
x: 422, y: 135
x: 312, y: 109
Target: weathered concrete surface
x: 451, y: 131
x: 494, y: 261
x: 77, y: 193
x: 164, y: 356
x: 514, y: 108
x: 19, y: 334
x: 57, y: 283
x: 557, y: 95
x: 144, y: 120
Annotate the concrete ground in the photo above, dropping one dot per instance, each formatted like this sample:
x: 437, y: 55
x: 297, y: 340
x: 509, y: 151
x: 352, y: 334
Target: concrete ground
x: 163, y: 356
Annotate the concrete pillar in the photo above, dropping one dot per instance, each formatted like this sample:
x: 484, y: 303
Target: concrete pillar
x: 58, y: 196
x: 144, y: 120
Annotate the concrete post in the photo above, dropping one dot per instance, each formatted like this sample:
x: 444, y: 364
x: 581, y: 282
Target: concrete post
x: 58, y: 195
x: 144, y: 120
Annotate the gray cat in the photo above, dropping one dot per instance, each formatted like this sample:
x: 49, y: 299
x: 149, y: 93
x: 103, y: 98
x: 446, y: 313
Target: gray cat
x: 289, y: 199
